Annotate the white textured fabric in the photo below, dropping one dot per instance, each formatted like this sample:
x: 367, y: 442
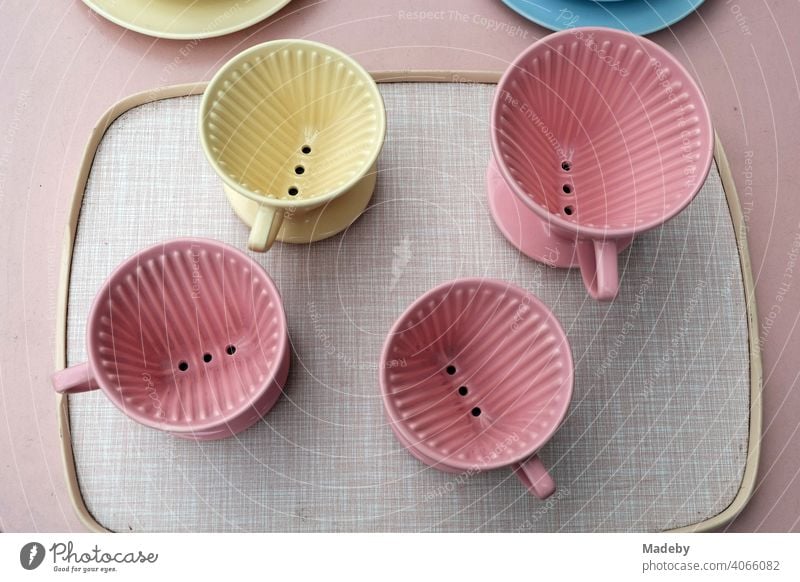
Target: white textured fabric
x: 656, y: 436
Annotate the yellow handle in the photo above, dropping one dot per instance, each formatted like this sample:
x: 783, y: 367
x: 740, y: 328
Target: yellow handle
x: 265, y: 228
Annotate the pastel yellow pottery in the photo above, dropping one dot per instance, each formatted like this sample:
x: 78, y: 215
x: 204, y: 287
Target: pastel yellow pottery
x: 294, y: 129
x: 185, y: 19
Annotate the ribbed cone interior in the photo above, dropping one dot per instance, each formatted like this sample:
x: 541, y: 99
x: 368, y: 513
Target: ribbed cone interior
x: 187, y: 333
x: 604, y: 131
x: 294, y: 122
x: 478, y: 372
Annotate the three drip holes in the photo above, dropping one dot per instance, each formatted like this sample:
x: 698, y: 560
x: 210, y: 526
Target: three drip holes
x: 183, y: 365
x: 567, y: 188
x: 299, y: 170
x: 462, y: 390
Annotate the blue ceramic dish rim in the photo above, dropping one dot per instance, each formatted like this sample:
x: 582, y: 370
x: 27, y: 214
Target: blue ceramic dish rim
x: 537, y: 12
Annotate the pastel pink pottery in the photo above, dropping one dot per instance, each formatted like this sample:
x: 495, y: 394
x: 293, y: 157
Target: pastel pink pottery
x: 597, y: 135
x: 477, y: 374
x: 189, y: 337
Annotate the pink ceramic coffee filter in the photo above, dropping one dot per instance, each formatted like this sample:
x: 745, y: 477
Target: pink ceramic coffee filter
x: 477, y: 374
x: 187, y: 336
x: 601, y: 131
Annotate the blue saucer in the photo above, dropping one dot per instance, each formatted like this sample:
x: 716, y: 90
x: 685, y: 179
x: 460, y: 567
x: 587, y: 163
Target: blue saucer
x: 636, y: 16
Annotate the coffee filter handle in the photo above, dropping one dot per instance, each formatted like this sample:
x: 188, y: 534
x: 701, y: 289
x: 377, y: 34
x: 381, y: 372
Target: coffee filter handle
x: 265, y: 229
x: 535, y: 477
x: 598, y: 261
x: 75, y: 379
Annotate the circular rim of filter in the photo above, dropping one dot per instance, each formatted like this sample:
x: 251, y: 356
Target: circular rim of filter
x: 209, y: 96
x: 398, y: 425
x: 121, y: 270
x: 652, y: 48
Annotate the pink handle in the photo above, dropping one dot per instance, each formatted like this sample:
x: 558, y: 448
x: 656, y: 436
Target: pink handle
x: 598, y: 262
x: 75, y: 379
x: 534, y: 475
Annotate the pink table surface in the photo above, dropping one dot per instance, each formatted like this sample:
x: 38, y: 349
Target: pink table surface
x: 61, y: 67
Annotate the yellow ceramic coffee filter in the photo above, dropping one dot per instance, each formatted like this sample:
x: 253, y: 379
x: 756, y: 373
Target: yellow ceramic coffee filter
x: 291, y: 124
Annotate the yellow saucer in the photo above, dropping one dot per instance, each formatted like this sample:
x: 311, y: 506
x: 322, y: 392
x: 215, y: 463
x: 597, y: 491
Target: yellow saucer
x: 306, y: 226
x: 185, y: 19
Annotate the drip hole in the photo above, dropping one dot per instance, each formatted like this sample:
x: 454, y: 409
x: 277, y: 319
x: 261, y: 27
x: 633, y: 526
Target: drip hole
x: 293, y: 191
x: 207, y: 357
x: 569, y: 210
x: 567, y: 189
x: 306, y: 149
x: 566, y: 166
x: 230, y: 350
x: 463, y: 390
x: 299, y: 170
x: 183, y: 366
x: 476, y: 411
x: 451, y: 369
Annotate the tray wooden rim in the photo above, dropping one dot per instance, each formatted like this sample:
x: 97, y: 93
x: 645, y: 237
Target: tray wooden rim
x: 747, y: 485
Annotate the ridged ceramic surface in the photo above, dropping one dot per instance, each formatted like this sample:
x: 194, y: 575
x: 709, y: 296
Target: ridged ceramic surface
x: 164, y: 312
x: 602, y: 128
x: 476, y: 372
x: 273, y: 103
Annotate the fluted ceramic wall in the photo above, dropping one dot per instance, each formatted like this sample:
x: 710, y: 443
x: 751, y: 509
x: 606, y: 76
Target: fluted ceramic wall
x: 603, y: 128
x: 476, y: 372
x: 293, y: 120
x: 187, y: 333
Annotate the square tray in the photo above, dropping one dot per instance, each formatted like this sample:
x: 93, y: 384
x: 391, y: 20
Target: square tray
x: 664, y: 427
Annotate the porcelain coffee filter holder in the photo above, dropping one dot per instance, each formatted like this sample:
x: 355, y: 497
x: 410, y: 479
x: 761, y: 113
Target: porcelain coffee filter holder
x: 189, y: 337
x: 477, y: 374
x: 294, y: 129
x: 597, y: 135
